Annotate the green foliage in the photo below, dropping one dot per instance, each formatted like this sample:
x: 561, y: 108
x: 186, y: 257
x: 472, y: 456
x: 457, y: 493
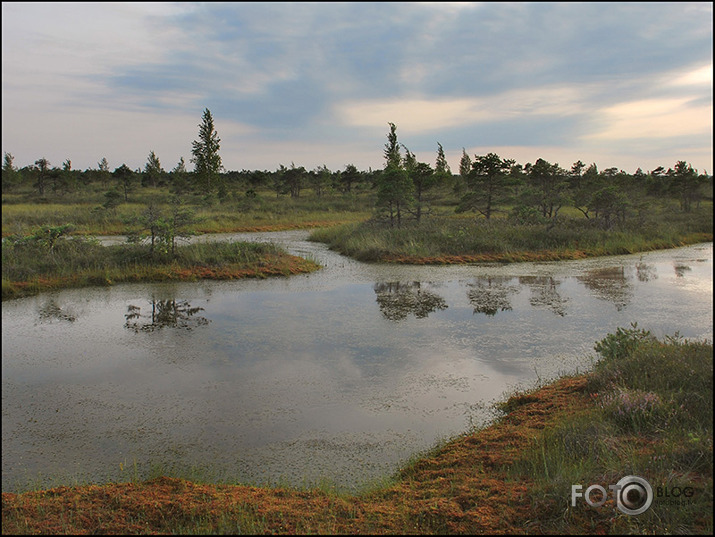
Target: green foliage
x: 652, y: 416
x: 686, y: 184
x: 153, y: 170
x: 549, y: 186
x: 488, y: 185
x: 45, y: 238
x: 441, y: 167
x: 78, y: 261
x: 521, y: 237
x: 657, y: 382
x: 394, y: 184
x: 112, y: 200
x: 205, y: 153
x: 622, y: 343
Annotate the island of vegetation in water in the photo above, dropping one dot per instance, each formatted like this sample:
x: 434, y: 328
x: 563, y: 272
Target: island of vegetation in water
x: 46, y: 261
x: 645, y: 410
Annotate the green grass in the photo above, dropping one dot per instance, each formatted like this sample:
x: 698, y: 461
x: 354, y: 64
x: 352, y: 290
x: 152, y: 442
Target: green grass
x: 439, y: 239
x: 652, y: 416
x: 30, y: 266
x: 236, y: 212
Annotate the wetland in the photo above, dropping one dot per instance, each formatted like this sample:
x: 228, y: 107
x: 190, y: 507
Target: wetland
x: 339, y: 376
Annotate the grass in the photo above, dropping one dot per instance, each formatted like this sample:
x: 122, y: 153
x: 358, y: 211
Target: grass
x: 235, y: 213
x: 458, y: 240
x: 645, y: 409
x: 650, y: 415
x: 29, y: 266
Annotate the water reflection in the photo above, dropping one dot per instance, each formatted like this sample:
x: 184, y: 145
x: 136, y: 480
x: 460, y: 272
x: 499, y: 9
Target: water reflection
x: 680, y: 270
x: 169, y: 313
x: 545, y: 293
x: 342, y: 374
x: 51, y: 311
x: 610, y: 284
x: 397, y: 300
x: 645, y: 272
x: 491, y: 295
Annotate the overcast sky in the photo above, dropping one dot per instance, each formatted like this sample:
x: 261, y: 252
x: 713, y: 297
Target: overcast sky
x: 623, y: 85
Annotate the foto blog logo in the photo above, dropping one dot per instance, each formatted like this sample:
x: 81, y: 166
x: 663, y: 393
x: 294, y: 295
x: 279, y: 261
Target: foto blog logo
x: 633, y: 495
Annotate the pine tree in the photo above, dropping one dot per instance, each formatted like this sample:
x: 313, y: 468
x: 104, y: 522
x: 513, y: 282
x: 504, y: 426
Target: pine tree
x: 205, y: 151
x: 394, y: 188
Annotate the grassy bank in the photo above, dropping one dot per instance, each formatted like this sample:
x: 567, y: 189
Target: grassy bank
x: 644, y: 410
x: 454, y: 240
x: 31, y: 266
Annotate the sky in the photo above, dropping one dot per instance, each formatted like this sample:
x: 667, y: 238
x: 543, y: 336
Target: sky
x: 625, y: 85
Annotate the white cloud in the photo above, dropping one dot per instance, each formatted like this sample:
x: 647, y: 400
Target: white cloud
x: 652, y: 118
x: 79, y: 77
x: 696, y: 77
x: 423, y: 115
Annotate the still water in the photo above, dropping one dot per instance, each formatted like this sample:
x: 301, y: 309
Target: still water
x: 338, y: 376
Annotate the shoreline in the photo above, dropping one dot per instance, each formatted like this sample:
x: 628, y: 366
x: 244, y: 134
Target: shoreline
x: 110, y: 508
x: 515, y: 475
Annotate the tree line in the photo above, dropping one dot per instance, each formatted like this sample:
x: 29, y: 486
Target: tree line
x: 534, y: 193
x: 484, y: 185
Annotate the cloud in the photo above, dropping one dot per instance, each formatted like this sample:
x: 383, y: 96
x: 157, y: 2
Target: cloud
x: 653, y: 118
x: 315, y: 75
x: 422, y: 115
x: 696, y: 77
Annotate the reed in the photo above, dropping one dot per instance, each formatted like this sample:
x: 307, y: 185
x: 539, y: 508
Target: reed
x: 28, y: 266
x: 448, y: 240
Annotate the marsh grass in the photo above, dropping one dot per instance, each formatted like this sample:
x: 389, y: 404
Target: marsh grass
x: 29, y: 266
x: 448, y: 240
x: 651, y: 416
x: 237, y: 212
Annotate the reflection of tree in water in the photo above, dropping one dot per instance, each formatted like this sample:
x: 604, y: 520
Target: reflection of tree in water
x: 544, y: 293
x: 397, y: 300
x: 50, y: 310
x: 609, y: 284
x: 680, y: 270
x: 164, y: 313
x: 645, y: 272
x: 491, y: 295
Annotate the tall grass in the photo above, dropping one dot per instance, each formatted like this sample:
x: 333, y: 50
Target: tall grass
x: 29, y: 266
x: 437, y: 239
x: 236, y: 212
x: 652, y: 417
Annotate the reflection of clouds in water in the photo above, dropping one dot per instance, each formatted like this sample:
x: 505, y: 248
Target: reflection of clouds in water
x: 307, y: 376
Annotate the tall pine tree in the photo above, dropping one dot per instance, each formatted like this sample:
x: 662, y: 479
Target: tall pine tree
x: 394, y: 188
x: 205, y: 153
